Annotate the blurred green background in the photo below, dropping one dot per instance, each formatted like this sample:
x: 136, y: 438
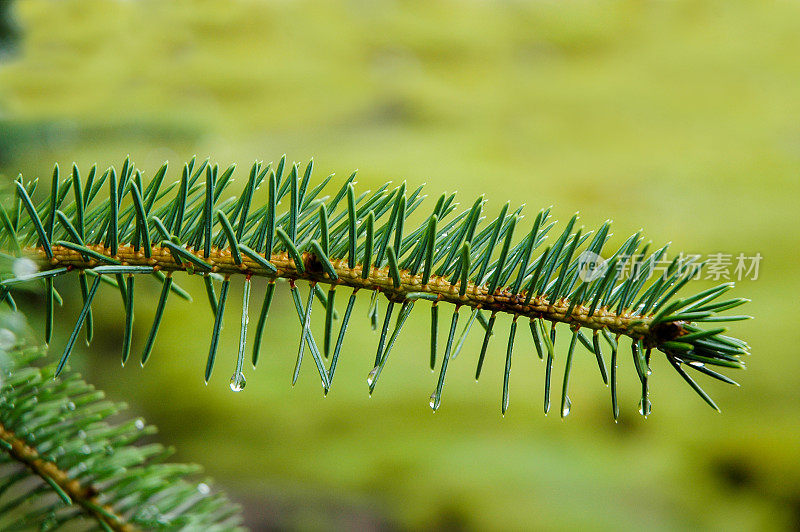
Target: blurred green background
x: 679, y: 117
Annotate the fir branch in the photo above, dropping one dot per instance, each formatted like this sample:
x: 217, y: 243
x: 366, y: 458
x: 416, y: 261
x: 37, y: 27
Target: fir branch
x: 62, y: 462
x: 363, y: 241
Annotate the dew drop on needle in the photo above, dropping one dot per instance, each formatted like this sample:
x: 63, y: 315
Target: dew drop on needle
x: 238, y: 382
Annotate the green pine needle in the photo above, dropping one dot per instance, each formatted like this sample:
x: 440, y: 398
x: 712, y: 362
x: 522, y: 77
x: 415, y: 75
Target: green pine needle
x: 283, y: 227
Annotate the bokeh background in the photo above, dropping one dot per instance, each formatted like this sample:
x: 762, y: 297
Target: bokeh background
x: 680, y: 117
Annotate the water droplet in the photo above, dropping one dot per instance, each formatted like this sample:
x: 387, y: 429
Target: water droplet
x: 49, y: 522
x: 68, y: 406
x: 696, y: 364
x: 645, y: 407
x: 147, y: 515
x: 372, y: 374
x: 86, y: 449
x: 81, y: 434
x: 238, y: 382
x: 203, y: 488
x: 565, y: 409
x: 24, y: 266
x: 433, y: 401
x: 139, y: 424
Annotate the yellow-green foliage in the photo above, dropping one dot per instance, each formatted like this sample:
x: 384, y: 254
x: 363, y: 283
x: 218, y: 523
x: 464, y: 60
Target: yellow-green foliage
x: 677, y: 116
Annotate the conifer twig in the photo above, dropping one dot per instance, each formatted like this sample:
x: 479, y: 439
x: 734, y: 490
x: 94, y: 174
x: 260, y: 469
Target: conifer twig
x: 365, y: 242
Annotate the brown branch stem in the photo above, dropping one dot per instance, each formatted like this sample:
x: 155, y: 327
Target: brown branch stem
x: 478, y: 297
